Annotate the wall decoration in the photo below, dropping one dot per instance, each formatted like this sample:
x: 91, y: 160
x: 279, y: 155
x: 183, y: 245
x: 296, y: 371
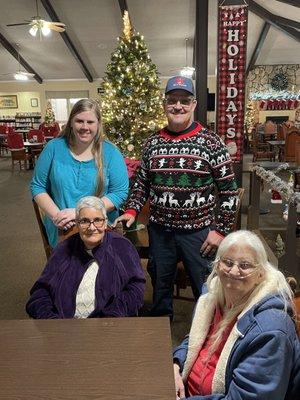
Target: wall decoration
x: 9, y: 101
x: 34, y: 102
x: 232, y: 51
x: 280, y: 81
x: 259, y: 82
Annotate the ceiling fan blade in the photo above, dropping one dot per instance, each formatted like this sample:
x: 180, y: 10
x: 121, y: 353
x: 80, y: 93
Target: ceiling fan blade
x: 21, y: 23
x: 57, y: 23
x: 53, y: 25
x: 56, y: 28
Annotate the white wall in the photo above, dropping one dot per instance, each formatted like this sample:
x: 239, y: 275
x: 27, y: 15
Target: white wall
x: 27, y: 90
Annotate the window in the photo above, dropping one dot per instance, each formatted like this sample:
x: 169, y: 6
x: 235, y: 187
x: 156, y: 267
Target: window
x: 63, y: 101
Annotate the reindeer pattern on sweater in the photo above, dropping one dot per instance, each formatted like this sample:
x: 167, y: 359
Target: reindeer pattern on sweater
x: 183, y: 176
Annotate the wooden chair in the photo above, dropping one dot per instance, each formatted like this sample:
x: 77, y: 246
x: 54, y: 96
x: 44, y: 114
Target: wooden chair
x: 39, y: 217
x: 18, y: 152
x: 62, y: 235
x: 37, y: 136
x: 281, y: 134
x: 50, y: 131
x: 270, y: 130
x: 182, y: 280
x: 261, y: 150
x: 292, y: 138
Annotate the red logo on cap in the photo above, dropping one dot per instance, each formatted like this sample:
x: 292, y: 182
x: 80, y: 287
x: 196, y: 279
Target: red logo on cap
x: 179, y: 81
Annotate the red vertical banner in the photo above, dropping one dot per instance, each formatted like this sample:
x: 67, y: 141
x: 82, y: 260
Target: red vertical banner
x: 232, y: 51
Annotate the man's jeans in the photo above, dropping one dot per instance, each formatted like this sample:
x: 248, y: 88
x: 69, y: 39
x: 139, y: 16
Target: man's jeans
x: 166, y: 247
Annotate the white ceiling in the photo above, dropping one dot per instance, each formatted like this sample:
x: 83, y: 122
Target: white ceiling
x: 94, y: 25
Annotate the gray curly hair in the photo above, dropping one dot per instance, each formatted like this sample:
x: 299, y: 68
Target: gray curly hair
x: 90, y: 202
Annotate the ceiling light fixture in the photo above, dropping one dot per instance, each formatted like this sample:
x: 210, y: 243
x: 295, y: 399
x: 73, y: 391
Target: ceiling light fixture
x: 39, y: 26
x: 33, y: 30
x: 187, y: 72
x: 20, y: 77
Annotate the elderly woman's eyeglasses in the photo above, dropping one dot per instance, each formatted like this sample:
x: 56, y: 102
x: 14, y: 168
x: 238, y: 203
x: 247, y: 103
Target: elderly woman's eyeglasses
x: 244, y: 267
x: 85, y: 223
x: 184, y: 101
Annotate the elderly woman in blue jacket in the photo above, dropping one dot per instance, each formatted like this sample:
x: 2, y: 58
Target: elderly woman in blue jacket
x: 243, y: 342
x: 94, y: 273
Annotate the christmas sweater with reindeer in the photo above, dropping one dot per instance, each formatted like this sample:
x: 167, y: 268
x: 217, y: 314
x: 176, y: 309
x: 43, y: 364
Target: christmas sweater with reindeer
x: 181, y: 175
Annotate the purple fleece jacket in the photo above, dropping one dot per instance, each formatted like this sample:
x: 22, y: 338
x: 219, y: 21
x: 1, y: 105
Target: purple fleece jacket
x: 120, y: 282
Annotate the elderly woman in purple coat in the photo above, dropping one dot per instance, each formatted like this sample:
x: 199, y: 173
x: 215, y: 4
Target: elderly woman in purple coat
x: 94, y: 273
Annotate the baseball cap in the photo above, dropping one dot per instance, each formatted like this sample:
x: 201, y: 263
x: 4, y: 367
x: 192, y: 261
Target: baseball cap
x: 181, y: 83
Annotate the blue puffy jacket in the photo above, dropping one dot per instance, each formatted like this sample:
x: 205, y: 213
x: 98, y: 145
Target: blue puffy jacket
x: 264, y: 363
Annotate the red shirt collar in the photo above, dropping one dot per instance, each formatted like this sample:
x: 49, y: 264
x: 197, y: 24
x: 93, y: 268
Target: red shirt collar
x: 164, y: 133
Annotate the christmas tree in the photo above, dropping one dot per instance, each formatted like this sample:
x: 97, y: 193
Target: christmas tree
x: 250, y: 116
x: 132, y: 101
x: 49, y: 114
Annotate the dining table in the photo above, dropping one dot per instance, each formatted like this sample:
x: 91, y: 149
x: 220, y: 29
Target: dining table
x: 94, y: 358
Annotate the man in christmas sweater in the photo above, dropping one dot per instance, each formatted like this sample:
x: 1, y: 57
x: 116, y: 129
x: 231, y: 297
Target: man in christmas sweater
x: 185, y: 169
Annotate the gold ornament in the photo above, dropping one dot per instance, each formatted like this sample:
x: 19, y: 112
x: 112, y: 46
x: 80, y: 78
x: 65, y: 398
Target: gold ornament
x: 130, y: 147
x: 127, y: 30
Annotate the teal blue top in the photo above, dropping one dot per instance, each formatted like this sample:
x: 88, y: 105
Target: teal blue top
x: 67, y: 180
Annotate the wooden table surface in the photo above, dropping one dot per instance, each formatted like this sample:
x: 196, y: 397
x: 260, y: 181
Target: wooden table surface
x: 111, y: 359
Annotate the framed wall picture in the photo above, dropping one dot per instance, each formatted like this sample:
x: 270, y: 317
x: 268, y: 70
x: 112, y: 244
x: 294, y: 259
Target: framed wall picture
x: 34, y: 102
x: 9, y: 101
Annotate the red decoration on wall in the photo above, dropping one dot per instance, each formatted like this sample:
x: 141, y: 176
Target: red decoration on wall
x: 232, y: 40
x: 278, y: 104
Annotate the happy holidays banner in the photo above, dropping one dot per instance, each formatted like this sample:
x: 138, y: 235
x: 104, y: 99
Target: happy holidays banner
x: 232, y: 50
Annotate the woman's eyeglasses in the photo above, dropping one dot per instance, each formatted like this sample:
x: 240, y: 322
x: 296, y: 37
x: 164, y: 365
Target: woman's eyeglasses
x: 244, y: 267
x: 85, y: 223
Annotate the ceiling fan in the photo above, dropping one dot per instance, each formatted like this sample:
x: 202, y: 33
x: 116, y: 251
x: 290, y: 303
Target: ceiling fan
x: 39, y: 25
x: 20, y: 75
x: 186, y: 71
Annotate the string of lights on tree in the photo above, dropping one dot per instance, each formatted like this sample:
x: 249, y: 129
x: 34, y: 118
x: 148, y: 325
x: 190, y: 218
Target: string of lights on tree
x: 132, y: 101
x: 49, y: 114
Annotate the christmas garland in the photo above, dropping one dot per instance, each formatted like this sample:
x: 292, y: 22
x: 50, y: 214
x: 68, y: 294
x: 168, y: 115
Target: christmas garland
x: 284, y: 188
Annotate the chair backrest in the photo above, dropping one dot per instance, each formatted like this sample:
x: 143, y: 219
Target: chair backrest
x: 37, y: 135
x: 281, y: 134
x: 15, y: 141
x: 11, y: 130
x: 62, y: 235
x: 39, y: 217
x: 5, y: 129
x: 50, y: 130
x: 270, y: 128
x: 291, y: 140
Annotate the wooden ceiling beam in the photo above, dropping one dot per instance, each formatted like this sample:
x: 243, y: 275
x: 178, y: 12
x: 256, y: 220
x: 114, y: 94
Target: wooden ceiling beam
x: 294, y: 3
x: 273, y: 20
x: 66, y: 38
x: 123, y: 6
x: 288, y: 22
x: 16, y: 54
x: 258, y: 46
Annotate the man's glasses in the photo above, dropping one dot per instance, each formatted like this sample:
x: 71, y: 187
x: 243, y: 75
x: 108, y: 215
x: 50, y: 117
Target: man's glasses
x: 245, y: 267
x: 184, y: 101
x: 85, y: 223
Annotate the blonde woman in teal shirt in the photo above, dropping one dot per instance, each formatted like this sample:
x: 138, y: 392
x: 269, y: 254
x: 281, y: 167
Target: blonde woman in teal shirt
x: 80, y: 162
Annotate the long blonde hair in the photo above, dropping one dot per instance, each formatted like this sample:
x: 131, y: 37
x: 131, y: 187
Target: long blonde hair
x: 273, y: 282
x: 97, y: 148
